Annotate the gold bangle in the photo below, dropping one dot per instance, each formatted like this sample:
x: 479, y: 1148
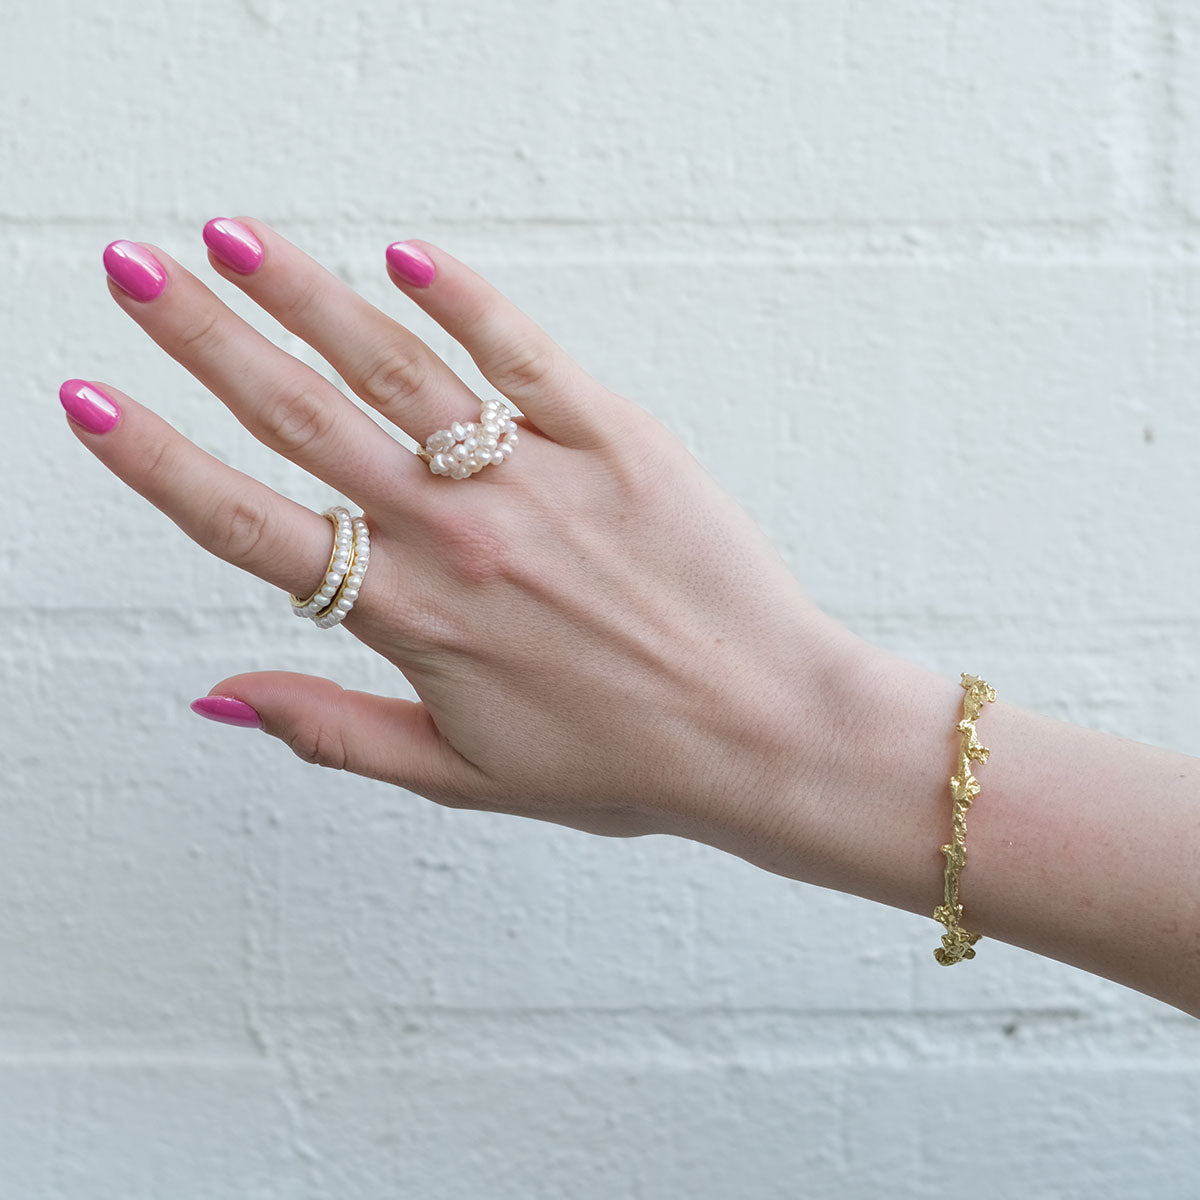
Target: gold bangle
x: 958, y: 943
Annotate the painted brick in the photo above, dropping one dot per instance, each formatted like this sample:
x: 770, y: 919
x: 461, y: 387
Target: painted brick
x: 911, y: 279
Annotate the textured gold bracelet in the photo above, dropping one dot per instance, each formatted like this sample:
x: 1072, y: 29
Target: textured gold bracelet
x: 958, y: 943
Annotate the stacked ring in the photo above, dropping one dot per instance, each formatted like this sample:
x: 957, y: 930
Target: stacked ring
x: 343, y: 599
x: 339, y: 565
x: 338, y: 590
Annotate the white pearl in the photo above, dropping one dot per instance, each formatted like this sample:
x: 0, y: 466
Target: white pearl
x: 497, y: 458
x: 505, y: 449
x: 471, y: 444
x: 511, y: 441
x: 510, y: 428
x: 458, y: 431
x: 438, y: 464
x: 459, y: 452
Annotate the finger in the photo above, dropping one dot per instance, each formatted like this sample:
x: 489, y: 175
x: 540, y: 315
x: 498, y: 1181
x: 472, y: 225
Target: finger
x: 230, y: 514
x: 285, y: 403
x: 514, y: 354
x: 385, y: 364
x: 376, y: 736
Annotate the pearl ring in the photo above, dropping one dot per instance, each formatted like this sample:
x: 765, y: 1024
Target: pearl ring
x: 464, y: 449
x: 460, y: 451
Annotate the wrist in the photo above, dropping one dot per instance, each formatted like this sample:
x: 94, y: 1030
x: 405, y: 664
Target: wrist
x: 862, y: 802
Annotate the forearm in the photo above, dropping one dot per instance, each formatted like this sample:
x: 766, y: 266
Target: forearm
x: 1081, y: 846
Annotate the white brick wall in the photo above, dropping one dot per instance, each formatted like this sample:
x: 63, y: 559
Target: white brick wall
x: 907, y: 276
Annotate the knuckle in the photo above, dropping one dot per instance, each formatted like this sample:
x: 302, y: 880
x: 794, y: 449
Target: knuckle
x: 645, y: 461
x: 453, y: 787
x: 296, y: 419
x: 393, y: 379
x: 244, y: 532
x: 523, y: 367
x: 159, y: 469
x: 475, y: 551
x: 319, y: 744
x: 202, y: 335
x: 304, y: 303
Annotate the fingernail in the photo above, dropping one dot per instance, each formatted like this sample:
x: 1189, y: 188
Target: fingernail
x: 134, y: 270
x: 412, y: 265
x: 227, y: 710
x: 95, y: 410
x: 234, y: 245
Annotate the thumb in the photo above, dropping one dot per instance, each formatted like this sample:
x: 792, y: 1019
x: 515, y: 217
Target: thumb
x: 324, y: 723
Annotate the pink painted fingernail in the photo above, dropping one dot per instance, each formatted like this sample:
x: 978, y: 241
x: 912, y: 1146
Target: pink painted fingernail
x: 134, y: 270
x: 412, y: 265
x: 228, y: 710
x: 234, y: 245
x: 95, y: 410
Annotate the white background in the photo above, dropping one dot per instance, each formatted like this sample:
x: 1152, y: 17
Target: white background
x: 917, y: 281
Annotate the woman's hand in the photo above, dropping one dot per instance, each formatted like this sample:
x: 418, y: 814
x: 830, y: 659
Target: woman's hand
x: 598, y: 635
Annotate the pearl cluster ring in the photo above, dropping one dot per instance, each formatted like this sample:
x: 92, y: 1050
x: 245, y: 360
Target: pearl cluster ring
x: 466, y: 448
x: 338, y: 590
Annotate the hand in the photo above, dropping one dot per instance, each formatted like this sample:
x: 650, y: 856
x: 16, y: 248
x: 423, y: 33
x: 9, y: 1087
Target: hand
x: 598, y: 635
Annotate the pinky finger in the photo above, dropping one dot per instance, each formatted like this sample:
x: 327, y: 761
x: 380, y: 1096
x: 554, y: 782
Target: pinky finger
x: 229, y: 513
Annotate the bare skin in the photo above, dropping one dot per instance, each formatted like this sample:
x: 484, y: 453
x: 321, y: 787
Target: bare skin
x: 600, y: 637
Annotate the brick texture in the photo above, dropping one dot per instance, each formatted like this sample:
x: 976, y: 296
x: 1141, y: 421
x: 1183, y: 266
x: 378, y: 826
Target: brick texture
x: 908, y: 278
